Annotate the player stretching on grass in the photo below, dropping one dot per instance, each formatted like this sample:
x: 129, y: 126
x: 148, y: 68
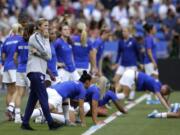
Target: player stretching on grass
x: 142, y: 81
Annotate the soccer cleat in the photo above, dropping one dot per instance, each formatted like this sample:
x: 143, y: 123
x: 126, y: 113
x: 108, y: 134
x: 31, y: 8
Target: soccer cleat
x: 10, y: 115
x: 26, y: 127
x: 153, y: 114
x: 54, y: 125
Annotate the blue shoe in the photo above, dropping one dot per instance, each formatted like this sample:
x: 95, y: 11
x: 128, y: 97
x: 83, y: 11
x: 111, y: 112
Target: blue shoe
x: 149, y: 102
x: 153, y: 114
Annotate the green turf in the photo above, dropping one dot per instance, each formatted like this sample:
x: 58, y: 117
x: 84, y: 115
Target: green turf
x: 137, y: 123
x: 134, y: 123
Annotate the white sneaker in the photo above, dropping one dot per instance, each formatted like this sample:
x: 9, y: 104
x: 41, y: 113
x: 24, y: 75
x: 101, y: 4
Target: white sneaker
x: 18, y: 120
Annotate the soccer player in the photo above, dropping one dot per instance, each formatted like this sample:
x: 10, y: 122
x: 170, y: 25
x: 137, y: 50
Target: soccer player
x: 21, y: 58
x: 82, y: 49
x: 93, y: 97
x: 142, y: 81
x: 8, y: 50
x: 52, y: 64
x: 59, y: 93
x: 63, y: 47
x: 174, y: 113
x: 128, y: 51
x: 150, y: 59
x: 97, y: 54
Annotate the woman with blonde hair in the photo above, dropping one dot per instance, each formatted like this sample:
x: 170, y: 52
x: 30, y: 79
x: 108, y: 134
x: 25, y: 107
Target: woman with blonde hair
x: 39, y: 54
x: 82, y: 49
x: 8, y: 50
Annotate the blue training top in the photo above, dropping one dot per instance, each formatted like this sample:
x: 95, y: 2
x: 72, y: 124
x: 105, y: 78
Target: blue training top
x: 150, y: 44
x: 109, y: 95
x: 99, y: 44
x: 64, y: 54
x: 92, y: 93
x: 9, y: 48
x: 129, y: 52
x: 22, y: 50
x: 53, y: 61
x: 81, y: 53
x: 146, y: 82
x: 70, y: 89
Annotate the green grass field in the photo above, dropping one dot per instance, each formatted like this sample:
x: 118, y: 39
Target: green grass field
x: 134, y: 123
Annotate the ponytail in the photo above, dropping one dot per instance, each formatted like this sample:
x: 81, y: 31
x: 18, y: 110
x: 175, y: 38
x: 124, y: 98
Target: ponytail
x: 85, y: 76
x: 82, y: 28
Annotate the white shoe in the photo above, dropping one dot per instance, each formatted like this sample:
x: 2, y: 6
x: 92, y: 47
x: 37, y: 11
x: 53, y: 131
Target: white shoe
x: 17, y: 120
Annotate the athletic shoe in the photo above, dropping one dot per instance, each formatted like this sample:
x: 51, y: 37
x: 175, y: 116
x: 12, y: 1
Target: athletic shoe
x: 54, y: 125
x: 26, y: 127
x: 10, y: 115
x: 153, y: 114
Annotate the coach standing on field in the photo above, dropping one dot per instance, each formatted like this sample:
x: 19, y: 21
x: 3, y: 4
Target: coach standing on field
x: 39, y: 54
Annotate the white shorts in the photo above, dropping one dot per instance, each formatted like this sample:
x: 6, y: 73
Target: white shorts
x: 86, y: 108
x: 22, y: 80
x: 54, y: 99
x: 68, y: 76
x: 149, y: 69
x: 128, y: 79
x: 9, y: 76
x: 80, y: 70
x: 122, y: 69
x: 1, y: 70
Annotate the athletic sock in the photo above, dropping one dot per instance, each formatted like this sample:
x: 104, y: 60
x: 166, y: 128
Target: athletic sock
x: 36, y: 113
x: 17, y: 112
x: 161, y: 115
x: 11, y: 106
x: 132, y: 95
x: 120, y: 96
x: 66, y: 111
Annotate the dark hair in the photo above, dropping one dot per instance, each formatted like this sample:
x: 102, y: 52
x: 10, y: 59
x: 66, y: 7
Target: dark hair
x: 28, y: 31
x: 148, y: 27
x: 85, y: 76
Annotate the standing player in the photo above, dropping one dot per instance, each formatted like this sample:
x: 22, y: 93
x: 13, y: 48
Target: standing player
x: 21, y: 57
x: 8, y: 50
x: 128, y: 51
x: 52, y: 64
x: 63, y: 46
x: 82, y: 49
x: 150, y: 59
x: 99, y: 45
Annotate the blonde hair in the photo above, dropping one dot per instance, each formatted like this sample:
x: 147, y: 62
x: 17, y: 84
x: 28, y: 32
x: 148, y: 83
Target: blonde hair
x: 40, y: 21
x: 17, y: 29
x: 82, y: 28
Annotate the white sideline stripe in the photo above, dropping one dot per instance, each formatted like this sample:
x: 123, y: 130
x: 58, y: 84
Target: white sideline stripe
x: 93, y: 129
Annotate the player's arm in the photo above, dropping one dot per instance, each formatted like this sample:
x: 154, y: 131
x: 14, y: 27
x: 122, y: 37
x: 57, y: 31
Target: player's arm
x: 119, y: 107
x: 164, y: 103
x: 92, y: 56
x: 149, y: 52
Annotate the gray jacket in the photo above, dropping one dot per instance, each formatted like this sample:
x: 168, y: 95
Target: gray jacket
x: 37, y: 62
